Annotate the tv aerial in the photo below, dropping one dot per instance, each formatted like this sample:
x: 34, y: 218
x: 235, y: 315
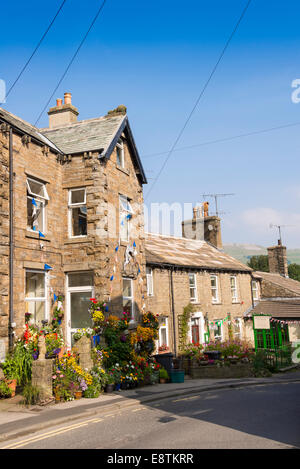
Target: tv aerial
x: 216, y: 196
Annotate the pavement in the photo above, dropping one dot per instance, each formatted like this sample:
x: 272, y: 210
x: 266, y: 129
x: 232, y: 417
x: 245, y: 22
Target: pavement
x: 17, y: 420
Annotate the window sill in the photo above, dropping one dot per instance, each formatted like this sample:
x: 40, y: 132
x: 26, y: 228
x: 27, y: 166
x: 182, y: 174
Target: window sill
x: 216, y: 302
x: 80, y: 239
x: 33, y: 235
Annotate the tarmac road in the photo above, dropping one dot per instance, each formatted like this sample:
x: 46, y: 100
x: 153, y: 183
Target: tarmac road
x: 265, y: 416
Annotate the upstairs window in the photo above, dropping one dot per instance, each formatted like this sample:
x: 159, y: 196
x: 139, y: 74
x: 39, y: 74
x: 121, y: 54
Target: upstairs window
x: 126, y: 213
x: 255, y: 290
x: 149, y: 276
x: 193, y: 288
x: 233, y: 287
x: 120, y: 153
x: 37, y: 198
x: 214, y: 288
x: 77, y: 213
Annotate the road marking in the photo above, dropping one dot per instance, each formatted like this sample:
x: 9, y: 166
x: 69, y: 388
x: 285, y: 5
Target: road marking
x: 44, y: 436
x: 51, y: 434
x: 185, y: 398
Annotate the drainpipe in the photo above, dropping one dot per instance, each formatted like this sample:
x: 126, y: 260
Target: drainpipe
x: 173, y: 311
x: 11, y: 242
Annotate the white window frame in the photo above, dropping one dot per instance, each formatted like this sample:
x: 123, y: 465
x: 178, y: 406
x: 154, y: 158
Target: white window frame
x: 125, y: 209
x: 131, y: 298
x: 197, y: 315
x: 193, y: 286
x: 166, y: 327
x: 255, y: 289
x: 149, y: 277
x: 216, y: 289
x: 120, y: 146
x: 75, y: 205
x: 41, y: 299
x: 239, y: 321
x: 234, y: 289
x: 40, y: 199
x: 219, y: 337
x: 69, y: 291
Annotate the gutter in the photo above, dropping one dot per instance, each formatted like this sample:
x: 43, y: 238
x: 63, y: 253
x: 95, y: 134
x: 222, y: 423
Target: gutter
x: 11, y: 241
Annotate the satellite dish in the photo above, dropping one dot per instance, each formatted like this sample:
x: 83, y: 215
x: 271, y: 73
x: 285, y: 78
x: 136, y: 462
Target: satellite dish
x: 210, y: 227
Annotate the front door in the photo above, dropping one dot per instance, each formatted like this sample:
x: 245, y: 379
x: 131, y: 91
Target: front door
x: 79, y: 291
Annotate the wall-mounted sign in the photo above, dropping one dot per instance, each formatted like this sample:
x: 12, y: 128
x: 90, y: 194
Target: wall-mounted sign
x: 261, y: 322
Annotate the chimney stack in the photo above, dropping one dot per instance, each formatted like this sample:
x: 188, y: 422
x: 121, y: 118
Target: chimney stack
x: 203, y: 226
x: 278, y: 260
x: 63, y: 114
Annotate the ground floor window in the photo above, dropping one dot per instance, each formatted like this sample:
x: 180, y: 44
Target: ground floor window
x: 36, y: 296
x: 128, y: 302
x: 217, y: 330
x: 237, y: 328
x: 163, y: 333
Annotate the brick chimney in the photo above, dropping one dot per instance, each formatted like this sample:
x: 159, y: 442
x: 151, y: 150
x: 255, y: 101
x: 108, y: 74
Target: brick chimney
x: 63, y: 114
x: 203, y: 226
x: 278, y: 260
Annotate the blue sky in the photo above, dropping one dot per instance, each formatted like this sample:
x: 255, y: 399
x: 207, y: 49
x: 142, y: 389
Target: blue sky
x: 155, y: 57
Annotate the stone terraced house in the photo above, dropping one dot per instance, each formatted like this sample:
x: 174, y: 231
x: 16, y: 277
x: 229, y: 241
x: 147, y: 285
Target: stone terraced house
x: 71, y: 218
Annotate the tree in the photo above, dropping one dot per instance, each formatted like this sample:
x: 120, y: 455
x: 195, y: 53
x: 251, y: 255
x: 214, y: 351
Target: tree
x: 260, y: 263
x: 294, y: 271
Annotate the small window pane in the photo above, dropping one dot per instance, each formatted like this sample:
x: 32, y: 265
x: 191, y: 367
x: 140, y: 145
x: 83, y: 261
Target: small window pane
x: 79, y: 221
x: 78, y: 196
x: 35, y: 285
x: 127, y: 290
x: 80, y: 317
x: 37, y: 310
x: 81, y: 279
x: 35, y: 215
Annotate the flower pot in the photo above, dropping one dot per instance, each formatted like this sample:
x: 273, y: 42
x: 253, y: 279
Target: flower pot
x: 78, y: 394
x: 12, y: 384
x: 109, y: 387
x: 118, y: 387
x: 61, y: 352
x: 162, y: 380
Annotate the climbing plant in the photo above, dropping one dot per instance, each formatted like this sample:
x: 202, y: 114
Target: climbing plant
x: 184, y: 325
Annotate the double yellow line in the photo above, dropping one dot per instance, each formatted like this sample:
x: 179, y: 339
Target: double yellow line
x: 50, y: 434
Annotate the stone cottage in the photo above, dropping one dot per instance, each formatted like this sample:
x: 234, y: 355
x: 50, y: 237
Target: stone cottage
x: 71, y: 218
x: 183, y: 271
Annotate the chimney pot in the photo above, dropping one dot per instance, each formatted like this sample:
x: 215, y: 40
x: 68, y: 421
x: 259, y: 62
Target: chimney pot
x: 59, y: 102
x: 68, y: 98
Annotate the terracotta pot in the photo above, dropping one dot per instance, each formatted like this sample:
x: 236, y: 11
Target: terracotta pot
x: 78, y: 394
x: 162, y: 380
x: 62, y: 351
x: 12, y: 384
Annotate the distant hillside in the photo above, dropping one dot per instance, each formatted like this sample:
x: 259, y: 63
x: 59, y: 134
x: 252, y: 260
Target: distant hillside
x: 242, y: 252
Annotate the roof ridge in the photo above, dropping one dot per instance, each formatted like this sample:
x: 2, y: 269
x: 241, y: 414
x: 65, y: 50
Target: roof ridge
x: 74, y: 124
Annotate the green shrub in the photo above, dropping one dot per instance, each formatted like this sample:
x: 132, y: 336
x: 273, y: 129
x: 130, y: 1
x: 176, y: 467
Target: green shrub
x: 31, y: 394
x: 163, y: 374
x: 5, y: 391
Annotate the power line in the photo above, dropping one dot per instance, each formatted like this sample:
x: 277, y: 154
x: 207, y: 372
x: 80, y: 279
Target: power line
x: 72, y: 59
x: 36, y: 48
x: 225, y: 139
x: 201, y: 94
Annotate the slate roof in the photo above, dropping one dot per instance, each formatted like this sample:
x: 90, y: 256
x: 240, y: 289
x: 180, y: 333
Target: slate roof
x: 27, y: 128
x: 278, y: 308
x: 283, y: 282
x: 100, y: 134
x: 189, y: 253
x: 86, y: 135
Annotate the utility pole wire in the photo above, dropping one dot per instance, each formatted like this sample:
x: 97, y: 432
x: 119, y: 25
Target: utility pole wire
x: 36, y: 48
x: 201, y: 94
x: 72, y: 60
x: 225, y: 139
